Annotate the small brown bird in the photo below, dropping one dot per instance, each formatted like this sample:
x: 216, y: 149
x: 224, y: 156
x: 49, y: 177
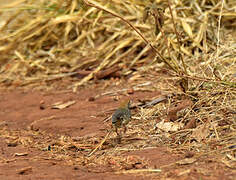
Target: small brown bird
x: 121, y: 116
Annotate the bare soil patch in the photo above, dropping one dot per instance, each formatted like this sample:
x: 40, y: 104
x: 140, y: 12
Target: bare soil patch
x: 39, y: 142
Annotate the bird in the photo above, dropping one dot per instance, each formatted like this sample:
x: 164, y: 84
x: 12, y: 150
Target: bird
x: 121, y: 117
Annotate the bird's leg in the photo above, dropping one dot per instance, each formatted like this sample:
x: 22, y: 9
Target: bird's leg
x: 125, y: 129
x: 118, y: 136
x: 116, y: 130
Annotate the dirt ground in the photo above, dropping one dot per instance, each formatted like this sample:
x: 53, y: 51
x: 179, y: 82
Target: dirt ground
x: 38, y: 141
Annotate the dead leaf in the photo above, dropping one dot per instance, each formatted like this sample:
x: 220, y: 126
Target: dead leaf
x: 110, y: 72
x: 201, y: 132
x: 173, y: 111
x: 169, y: 126
x: 191, y: 124
x: 61, y: 105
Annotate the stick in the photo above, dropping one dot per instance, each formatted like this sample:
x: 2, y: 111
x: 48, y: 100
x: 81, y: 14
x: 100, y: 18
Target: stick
x: 100, y: 145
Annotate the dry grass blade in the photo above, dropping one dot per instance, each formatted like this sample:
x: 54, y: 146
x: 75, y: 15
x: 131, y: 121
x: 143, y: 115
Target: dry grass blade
x: 100, y: 144
x: 140, y: 171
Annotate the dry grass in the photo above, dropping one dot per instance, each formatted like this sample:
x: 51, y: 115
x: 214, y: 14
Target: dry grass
x: 45, y: 40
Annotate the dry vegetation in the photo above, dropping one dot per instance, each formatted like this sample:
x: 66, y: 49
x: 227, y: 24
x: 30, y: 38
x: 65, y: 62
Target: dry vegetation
x: 193, y: 42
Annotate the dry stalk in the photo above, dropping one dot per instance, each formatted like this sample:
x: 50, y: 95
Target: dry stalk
x: 178, y: 38
x: 135, y: 29
x: 100, y: 145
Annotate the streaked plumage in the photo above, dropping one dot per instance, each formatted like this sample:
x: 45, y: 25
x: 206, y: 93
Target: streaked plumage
x: 121, y: 116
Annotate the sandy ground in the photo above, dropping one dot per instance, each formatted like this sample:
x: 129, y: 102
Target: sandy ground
x: 28, y: 125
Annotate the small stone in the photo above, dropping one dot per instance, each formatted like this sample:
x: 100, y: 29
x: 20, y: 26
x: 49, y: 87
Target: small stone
x: 91, y: 99
x: 42, y: 105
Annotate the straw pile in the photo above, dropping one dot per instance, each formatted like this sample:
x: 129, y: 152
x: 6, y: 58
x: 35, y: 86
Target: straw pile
x: 41, y: 40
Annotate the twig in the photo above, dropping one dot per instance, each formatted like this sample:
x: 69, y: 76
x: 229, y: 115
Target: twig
x: 218, y: 29
x: 156, y: 101
x: 177, y: 36
x: 231, y: 84
x: 100, y: 145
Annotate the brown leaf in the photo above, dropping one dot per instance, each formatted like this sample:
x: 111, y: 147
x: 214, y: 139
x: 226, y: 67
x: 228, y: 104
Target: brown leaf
x: 172, y: 114
x: 191, y: 124
x: 201, y: 132
x: 169, y: 126
x: 111, y: 72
